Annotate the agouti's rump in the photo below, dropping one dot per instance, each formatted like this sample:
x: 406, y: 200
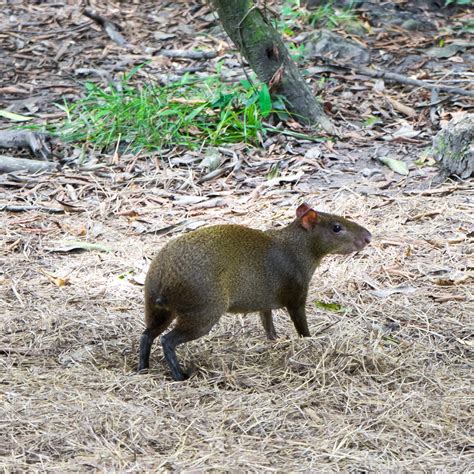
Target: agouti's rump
x: 199, y: 276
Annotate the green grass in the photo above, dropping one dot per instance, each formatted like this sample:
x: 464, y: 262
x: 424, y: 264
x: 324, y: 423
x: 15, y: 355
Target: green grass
x: 326, y: 16
x: 458, y: 2
x: 191, y: 113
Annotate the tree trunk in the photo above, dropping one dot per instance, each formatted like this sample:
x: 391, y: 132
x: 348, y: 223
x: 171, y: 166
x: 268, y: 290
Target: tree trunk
x: 263, y: 48
x: 453, y: 148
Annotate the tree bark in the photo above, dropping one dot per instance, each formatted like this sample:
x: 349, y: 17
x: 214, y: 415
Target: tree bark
x: 263, y: 48
x: 453, y: 148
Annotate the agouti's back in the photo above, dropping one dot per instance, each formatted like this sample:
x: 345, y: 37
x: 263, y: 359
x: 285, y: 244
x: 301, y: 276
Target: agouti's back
x: 199, y: 276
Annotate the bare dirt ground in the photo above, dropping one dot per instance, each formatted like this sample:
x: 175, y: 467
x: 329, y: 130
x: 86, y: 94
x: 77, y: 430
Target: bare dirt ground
x: 384, y: 384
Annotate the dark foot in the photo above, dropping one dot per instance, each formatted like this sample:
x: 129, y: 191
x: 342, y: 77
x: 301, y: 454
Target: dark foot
x: 267, y: 322
x: 145, y: 347
x: 272, y: 336
x: 180, y: 376
x: 170, y: 356
x: 143, y: 363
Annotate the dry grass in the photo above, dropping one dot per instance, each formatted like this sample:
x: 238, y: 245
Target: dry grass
x: 385, y: 385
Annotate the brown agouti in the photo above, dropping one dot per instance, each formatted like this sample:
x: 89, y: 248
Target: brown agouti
x: 199, y: 276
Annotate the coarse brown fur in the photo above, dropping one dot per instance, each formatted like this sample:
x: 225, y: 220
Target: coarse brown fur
x: 201, y: 275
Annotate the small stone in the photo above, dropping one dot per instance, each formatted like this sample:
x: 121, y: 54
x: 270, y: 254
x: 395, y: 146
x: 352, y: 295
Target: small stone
x: 412, y: 25
x: 313, y: 153
x: 328, y: 44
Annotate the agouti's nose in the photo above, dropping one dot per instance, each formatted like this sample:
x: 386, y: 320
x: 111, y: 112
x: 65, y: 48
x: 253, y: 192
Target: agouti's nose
x: 368, y: 237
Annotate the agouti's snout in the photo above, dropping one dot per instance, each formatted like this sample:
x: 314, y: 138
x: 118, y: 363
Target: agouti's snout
x: 365, y: 239
x: 230, y: 268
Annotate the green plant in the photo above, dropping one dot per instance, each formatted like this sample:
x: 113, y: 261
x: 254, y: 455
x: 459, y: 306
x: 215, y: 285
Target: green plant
x: 292, y: 13
x: 329, y: 16
x: 462, y: 26
x: 191, y: 113
x: 296, y: 52
x: 371, y: 120
x: 458, y: 2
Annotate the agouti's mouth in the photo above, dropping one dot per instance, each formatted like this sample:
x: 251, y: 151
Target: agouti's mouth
x: 360, y: 244
x: 365, y: 239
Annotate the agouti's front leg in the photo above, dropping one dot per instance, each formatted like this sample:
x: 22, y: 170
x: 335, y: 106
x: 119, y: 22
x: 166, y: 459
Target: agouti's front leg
x: 298, y: 316
x: 267, y: 322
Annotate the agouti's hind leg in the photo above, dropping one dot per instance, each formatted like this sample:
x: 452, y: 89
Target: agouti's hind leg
x: 188, y: 328
x: 157, y: 322
x: 298, y: 316
x: 267, y: 322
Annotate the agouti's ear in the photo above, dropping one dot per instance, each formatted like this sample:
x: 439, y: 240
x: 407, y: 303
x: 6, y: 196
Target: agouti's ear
x: 309, y: 219
x: 302, y: 210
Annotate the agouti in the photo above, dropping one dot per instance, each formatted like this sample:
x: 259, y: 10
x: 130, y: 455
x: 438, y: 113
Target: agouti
x: 199, y: 276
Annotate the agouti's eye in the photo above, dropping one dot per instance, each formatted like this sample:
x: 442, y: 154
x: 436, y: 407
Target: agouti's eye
x: 337, y: 228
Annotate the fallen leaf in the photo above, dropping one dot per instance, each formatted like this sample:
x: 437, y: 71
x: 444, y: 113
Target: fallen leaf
x: 402, y: 289
x: 447, y: 297
x: 313, y: 153
x: 404, y: 109
x: 290, y: 178
x: 209, y: 203
x: 334, y: 307
x: 79, y: 355
x: 129, y: 213
x: 138, y: 280
x: 446, y: 51
x: 212, y: 160
x: 187, y: 200
x: 58, y: 281
x: 74, y: 246
x: 14, y: 117
x: 406, y: 131
x: 162, y: 35
x: 186, y: 159
x: 452, y: 279
x: 398, y: 166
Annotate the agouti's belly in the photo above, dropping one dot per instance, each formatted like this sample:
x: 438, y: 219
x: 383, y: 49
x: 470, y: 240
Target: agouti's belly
x: 259, y: 291
x: 243, y: 305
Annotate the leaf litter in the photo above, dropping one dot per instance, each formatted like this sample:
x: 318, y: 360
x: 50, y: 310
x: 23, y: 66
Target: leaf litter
x: 384, y: 382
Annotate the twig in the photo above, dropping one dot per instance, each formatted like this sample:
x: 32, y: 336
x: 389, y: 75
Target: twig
x: 111, y: 28
x: 26, y: 208
x: 214, y: 174
x: 20, y: 351
x: 392, y: 76
x: 289, y: 133
x: 188, y: 54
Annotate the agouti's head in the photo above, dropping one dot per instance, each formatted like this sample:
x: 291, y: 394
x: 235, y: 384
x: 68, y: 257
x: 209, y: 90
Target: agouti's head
x: 331, y: 234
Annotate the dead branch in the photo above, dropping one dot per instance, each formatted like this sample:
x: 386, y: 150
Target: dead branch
x: 188, y: 54
x: 392, y: 76
x: 20, y: 351
x: 37, y: 142
x: 9, y: 164
x: 400, y: 78
x: 26, y: 208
